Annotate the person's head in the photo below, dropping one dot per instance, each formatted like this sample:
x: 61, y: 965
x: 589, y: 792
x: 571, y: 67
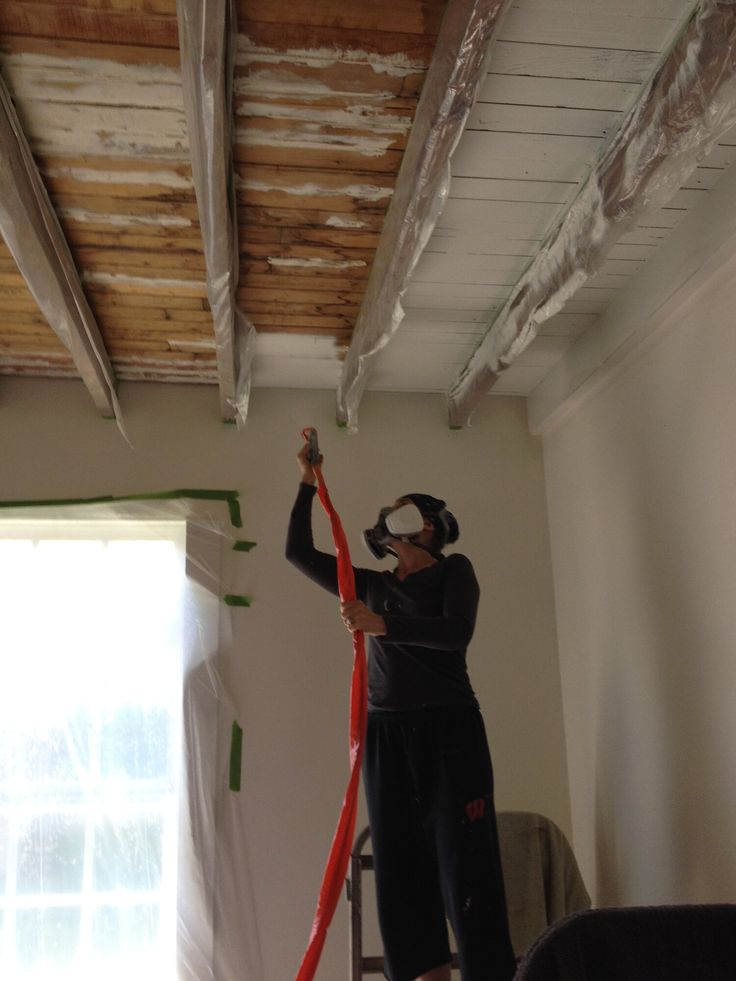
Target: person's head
x: 442, y: 523
x: 414, y: 519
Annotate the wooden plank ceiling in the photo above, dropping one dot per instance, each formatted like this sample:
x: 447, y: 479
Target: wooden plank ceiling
x: 325, y: 93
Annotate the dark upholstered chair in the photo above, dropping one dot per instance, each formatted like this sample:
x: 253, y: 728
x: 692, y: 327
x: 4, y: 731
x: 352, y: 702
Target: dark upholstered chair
x: 650, y: 943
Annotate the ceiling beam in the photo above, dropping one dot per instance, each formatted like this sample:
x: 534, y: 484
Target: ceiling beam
x: 685, y: 108
x: 34, y: 236
x: 207, y: 42
x: 450, y: 87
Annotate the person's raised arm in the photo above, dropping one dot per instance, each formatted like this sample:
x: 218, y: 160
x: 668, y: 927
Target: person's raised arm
x: 300, y: 551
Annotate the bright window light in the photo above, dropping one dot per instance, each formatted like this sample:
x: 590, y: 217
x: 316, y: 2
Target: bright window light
x: 90, y: 749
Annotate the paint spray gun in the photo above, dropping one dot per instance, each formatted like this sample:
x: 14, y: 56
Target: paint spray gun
x: 313, y: 454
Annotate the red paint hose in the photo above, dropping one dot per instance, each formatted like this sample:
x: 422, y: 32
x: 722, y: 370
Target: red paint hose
x: 337, y: 860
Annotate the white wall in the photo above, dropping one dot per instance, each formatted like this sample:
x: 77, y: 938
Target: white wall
x: 641, y: 483
x: 290, y: 676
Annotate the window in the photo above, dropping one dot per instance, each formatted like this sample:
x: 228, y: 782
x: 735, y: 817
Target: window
x: 92, y: 668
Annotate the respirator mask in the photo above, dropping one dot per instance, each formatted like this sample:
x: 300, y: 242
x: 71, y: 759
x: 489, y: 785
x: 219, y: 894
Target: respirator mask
x: 403, y: 523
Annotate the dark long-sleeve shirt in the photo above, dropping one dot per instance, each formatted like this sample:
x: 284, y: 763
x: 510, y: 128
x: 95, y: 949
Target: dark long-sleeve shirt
x: 429, y: 616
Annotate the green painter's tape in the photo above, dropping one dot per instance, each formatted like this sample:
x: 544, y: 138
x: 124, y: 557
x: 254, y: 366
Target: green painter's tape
x: 241, y: 546
x: 197, y: 494
x: 232, y: 600
x: 236, y: 756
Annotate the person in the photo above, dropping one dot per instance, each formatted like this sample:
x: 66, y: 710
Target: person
x: 427, y: 769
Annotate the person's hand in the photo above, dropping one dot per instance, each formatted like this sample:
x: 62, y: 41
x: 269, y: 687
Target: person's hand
x: 357, y: 616
x: 307, y: 470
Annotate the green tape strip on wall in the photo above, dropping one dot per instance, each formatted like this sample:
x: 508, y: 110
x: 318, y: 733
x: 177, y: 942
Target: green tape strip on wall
x: 197, y: 494
x: 236, y: 756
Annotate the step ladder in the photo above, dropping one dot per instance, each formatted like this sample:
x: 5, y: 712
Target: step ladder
x: 361, y: 964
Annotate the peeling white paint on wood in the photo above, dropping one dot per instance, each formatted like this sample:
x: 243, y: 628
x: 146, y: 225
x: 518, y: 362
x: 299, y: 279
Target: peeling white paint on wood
x: 397, y: 64
x: 283, y: 84
x: 316, y: 263
x: 105, y: 129
x: 354, y: 117
x: 93, y: 105
x: 362, y: 192
x: 95, y: 217
x: 120, y: 279
x: 91, y: 81
x: 203, y: 345
x: 166, y: 178
x: 310, y: 138
x: 344, y: 221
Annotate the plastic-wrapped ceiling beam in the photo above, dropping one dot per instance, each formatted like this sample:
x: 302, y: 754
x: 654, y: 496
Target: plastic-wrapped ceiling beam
x: 449, y: 91
x: 34, y: 236
x: 683, y: 111
x: 207, y: 41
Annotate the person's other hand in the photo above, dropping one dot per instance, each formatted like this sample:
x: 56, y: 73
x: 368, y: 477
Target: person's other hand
x: 357, y: 616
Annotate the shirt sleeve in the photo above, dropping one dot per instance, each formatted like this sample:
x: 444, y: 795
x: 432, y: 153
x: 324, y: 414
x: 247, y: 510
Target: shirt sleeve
x: 300, y: 551
x: 453, y: 630
x: 320, y: 567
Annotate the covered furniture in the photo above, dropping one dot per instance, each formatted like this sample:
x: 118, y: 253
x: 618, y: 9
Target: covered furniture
x: 542, y: 879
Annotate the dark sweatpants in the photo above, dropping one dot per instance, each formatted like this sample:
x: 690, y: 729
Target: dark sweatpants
x: 429, y: 786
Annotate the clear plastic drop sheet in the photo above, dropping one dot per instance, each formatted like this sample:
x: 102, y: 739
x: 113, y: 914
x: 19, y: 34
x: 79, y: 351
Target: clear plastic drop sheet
x: 684, y: 110
x: 207, y: 39
x: 458, y: 67
x: 123, y: 851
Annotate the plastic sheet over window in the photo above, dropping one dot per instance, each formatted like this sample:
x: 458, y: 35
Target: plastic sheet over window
x: 122, y: 844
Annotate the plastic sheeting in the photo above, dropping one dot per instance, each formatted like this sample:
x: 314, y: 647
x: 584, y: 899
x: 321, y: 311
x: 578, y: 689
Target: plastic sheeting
x: 132, y: 742
x: 207, y: 40
x: 32, y: 232
x: 450, y: 89
x: 683, y: 111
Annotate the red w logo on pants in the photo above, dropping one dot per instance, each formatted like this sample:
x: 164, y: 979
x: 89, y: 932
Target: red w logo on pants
x: 475, y: 809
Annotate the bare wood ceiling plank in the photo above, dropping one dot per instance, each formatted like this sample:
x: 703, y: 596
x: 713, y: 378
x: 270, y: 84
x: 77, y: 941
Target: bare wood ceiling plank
x: 409, y: 16
x: 332, y: 282
x: 295, y: 218
x: 69, y: 49
x: 259, y: 147
x: 683, y: 111
x: 85, y: 23
x: 324, y: 42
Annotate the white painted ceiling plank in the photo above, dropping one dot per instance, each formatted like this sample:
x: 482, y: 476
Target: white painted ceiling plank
x: 595, y: 28
x: 570, y: 93
x: 553, y: 120
x: 601, y: 64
